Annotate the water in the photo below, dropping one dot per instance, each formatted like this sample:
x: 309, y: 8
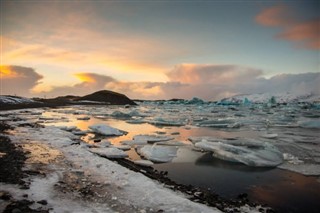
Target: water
x: 281, y: 189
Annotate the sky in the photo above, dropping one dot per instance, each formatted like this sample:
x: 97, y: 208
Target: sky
x: 159, y: 49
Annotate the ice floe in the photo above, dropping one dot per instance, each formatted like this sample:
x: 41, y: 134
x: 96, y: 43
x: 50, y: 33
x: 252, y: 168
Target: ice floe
x: 111, y: 152
x: 156, y: 153
x: 104, y: 129
x: 312, y: 124
x: 251, y: 153
x: 143, y: 162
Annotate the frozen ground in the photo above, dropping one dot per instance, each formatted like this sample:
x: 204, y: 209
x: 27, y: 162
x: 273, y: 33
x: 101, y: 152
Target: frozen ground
x: 286, y: 136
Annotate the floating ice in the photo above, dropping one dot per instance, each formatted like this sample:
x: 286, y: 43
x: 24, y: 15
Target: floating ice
x: 161, y: 154
x: 143, y: 162
x: 219, y: 123
x: 109, y: 152
x: 171, y: 143
x: 163, y: 122
x: 269, y: 136
x: 120, y: 115
x: 104, y: 129
x: 258, y: 154
x: 85, y: 118
x: 312, y: 124
x: 122, y: 147
x: 152, y: 138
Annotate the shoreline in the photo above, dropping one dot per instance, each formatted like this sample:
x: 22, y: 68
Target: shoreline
x: 192, y: 193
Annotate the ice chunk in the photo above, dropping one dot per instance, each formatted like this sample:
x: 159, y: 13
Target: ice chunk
x: 143, y: 162
x: 269, y: 136
x: 171, y: 143
x: 163, y: 122
x: 120, y: 115
x: 123, y: 147
x: 219, y: 123
x: 291, y: 159
x: 109, y: 152
x: 85, y: 118
x: 259, y: 154
x: 152, y: 138
x: 104, y: 129
x: 159, y: 154
x: 312, y: 124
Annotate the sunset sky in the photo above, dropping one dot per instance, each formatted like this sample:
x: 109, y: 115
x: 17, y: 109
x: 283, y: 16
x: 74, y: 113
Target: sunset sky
x: 159, y: 49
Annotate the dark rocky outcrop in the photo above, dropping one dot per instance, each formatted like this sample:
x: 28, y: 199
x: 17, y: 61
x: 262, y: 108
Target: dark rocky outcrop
x: 106, y: 96
x: 103, y: 97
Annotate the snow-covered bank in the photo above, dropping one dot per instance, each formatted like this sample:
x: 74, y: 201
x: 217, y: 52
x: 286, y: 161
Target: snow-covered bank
x: 128, y: 188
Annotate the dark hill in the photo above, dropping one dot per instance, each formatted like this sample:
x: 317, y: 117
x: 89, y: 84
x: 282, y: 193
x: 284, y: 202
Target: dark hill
x: 107, y: 96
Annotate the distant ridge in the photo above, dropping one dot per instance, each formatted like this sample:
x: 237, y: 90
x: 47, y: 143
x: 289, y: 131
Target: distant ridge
x: 103, y: 97
x: 107, y: 96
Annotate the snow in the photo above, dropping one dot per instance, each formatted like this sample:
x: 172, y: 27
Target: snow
x: 158, y: 153
x: 15, y: 100
x: 251, y: 153
x: 109, y: 152
x: 104, y: 129
x: 122, y: 186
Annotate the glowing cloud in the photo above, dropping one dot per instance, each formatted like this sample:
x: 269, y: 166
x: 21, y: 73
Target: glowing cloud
x: 18, y: 80
x: 274, y: 16
x: 305, y: 34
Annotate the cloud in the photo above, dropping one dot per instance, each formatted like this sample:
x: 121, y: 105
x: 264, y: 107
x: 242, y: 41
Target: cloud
x: 277, y: 15
x: 213, y: 74
x: 18, y: 80
x: 209, y: 82
x: 304, y: 33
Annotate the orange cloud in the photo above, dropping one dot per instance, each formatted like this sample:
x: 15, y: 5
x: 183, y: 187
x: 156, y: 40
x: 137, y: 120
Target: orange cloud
x: 274, y: 16
x: 18, y: 80
x: 305, y: 34
x: 7, y: 72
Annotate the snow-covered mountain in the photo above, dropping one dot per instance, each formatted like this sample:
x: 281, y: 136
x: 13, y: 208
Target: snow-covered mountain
x: 278, y: 98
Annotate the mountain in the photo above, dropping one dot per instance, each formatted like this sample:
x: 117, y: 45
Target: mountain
x: 103, y: 97
x: 106, y: 96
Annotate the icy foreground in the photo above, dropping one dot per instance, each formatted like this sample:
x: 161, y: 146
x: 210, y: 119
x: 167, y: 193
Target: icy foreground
x: 251, y: 153
x: 131, y: 191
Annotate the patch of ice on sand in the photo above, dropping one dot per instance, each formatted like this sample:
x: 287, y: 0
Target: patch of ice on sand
x: 104, y: 129
x: 161, y: 154
x: 109, y: 152
x: 251, y: 153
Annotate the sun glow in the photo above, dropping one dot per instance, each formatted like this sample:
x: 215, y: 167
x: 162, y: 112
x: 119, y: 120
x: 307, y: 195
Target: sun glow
x: 6, y: 72
x: 85, y: 78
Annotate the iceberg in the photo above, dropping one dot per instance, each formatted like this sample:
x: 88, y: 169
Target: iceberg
x: 312, y: 124
x: 109, y: 152
x: 104, y: 129
x: 256, y: 154
x: 160, y: 154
